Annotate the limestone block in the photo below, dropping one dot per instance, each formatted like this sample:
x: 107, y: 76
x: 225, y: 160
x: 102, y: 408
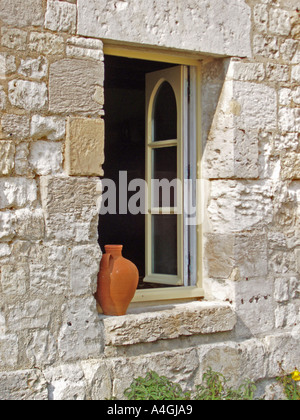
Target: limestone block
x: 9, y: 349
x: 84, y: 266
x: 280, y: 23
x: 2, y: 98
x: 85, y: 48
x: 13, y: 38
x: 35, y: 68
x: 80, y: 333
x: 289, y: 120
x: 27, y: 95
x: 71, y: 207
x: 74, y: 85
x: 296, y: 73
x: 84, y: 154
x: 29, y: 224
x: 236, y: 206
x: 14, y: 279
x: 5, y: 251
x: 251, y: 255
x: 284, y: 347
x: 53, y: 128
x: 41, y: 349
x: 66, y: 382
x: 46, y: 158
x: 219, y: 255
x: 295, y: 23
x: 247, y: 72
x: 277, y: 72
x: 7, y: 65
x: 15, y: 126
x: 17, y: 192
x: 61, y: 16
x: 99, y: 378
x: 13, y: 12
x: 31, y: 314
x: 21, y: 160
x: 46, y: 43
x: 288, y: 50
x: 290, y: 166
x: 257, y: 106
x: 266, y: 46
x: 7, y: 226
x: 48, y: 279
x: 297, y: 254
x: 23, y: 385
x: 219, y: 28
x: 168, y: 323
x: 7, y: 157
x: 254, y: 305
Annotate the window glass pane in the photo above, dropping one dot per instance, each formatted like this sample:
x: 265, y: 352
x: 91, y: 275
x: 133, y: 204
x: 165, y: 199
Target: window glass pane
x: 164, y: 232
x: 165, y: 114
x: 164, y: 168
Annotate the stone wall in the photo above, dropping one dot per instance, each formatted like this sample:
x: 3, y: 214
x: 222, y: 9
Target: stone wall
x: 53, y: 344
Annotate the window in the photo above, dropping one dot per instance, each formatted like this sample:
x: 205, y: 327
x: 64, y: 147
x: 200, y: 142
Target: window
x: 152, y: 134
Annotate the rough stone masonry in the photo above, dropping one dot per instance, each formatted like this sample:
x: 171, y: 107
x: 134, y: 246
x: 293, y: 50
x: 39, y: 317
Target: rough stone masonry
x: 53, y: 344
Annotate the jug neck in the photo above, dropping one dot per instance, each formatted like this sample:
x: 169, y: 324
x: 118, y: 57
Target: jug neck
x: 114, y: 250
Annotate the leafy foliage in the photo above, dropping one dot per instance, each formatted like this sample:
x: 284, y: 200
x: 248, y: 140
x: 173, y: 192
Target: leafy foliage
x: 214, y: 387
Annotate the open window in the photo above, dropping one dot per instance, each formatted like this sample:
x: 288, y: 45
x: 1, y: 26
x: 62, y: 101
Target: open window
x: 151, y: 135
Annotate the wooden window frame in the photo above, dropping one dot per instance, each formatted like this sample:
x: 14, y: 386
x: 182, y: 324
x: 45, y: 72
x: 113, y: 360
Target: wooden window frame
x: 194, y: 62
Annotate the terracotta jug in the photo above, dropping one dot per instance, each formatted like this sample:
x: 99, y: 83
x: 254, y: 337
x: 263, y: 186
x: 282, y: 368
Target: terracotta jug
x: 117, y: 281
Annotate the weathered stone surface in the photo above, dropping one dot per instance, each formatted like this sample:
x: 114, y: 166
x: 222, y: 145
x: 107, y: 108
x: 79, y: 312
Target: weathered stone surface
x: 290, y: 168
x: 7, y: 157
x: 46, y: 157
x: 46, y: 43
x: 84, y: 266
x: 29, y: 224
x: 7, y: 226
x: 27, y: 95
x: 23, y: 385
x: 71, y: 207
x: 17, y: 192
x: 173, y: 322
x: 61, y: 16
x: 85, y: 47
x: 236, y: 206
x: 84, y: 154
x: 7, y: 65
x: 36, y: 68
x: 52, y: 128
x: 80, y: 334
x: 2, y: 98
x: 13, y: 38
x: 73, y: 86
x: 15, y: 126
x: 13, y: 12
x: 31, y: 314
x: 14, y: 279
x: 218, y: 28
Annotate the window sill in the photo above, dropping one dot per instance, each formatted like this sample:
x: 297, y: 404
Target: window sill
x: 152, y: 324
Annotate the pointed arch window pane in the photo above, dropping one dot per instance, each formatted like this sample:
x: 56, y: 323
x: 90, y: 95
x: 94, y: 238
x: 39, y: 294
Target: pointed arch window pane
x: 165, y: 114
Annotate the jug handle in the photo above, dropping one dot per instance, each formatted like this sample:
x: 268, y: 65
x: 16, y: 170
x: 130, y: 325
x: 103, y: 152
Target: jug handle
x: 106, y: 261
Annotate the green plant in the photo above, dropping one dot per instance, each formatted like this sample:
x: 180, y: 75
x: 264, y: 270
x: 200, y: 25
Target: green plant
x: 290, y: 385
x: 215, y: 387
x: 155, y: 387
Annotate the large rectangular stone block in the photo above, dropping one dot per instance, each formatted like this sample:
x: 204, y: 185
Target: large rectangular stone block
x: 84, y: 154
x: 74, y: 86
